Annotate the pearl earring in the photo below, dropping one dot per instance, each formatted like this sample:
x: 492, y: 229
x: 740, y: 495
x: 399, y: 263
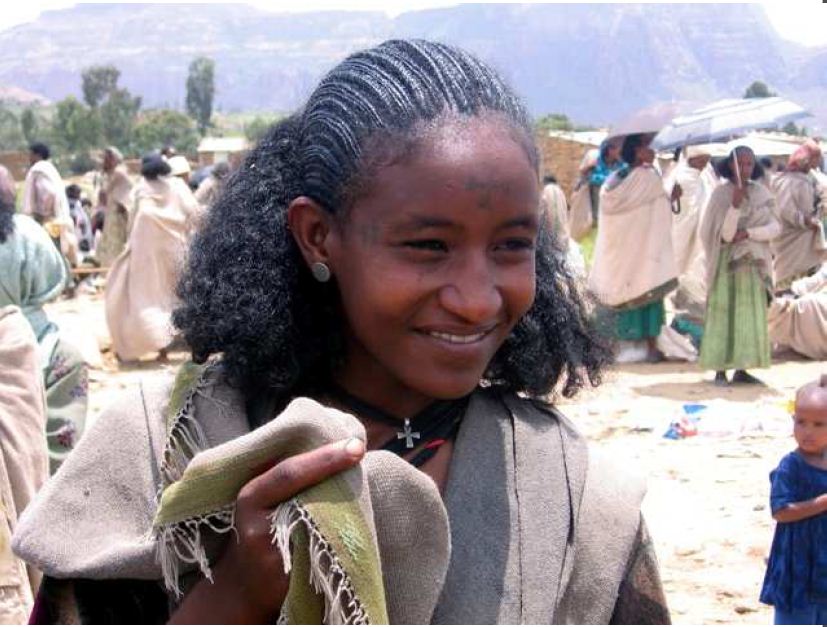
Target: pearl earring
x: 320, y: 271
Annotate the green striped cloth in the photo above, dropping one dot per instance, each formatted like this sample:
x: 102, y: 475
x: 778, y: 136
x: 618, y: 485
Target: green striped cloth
x: 326, y: 533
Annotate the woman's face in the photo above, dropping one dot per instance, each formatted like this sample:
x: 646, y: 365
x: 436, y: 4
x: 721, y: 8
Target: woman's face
x: 612, y: 152
x: 435, y: 265
x: 746, y: 164
x: 644, y: 153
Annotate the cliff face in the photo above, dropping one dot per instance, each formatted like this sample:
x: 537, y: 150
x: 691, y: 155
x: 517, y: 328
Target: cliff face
x: 592, y: 62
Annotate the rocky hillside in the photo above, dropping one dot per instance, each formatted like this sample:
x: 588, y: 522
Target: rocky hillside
x: 592, y: 62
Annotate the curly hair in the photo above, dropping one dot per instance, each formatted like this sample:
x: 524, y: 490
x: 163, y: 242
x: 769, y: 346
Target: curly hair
x: 247, y: 293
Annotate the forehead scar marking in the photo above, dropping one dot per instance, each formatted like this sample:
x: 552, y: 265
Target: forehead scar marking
x: 485, y: 189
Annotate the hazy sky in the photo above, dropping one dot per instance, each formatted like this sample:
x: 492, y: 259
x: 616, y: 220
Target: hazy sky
x: 803, y: 22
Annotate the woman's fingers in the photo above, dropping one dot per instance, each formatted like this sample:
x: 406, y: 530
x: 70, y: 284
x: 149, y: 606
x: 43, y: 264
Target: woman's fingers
x: 294, y: 474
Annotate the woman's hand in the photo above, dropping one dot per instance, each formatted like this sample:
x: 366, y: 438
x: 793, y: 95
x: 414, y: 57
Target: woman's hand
x: 249, y: 579
x: 740, y: 235
x: 812, y: 222
x: 738, y: 195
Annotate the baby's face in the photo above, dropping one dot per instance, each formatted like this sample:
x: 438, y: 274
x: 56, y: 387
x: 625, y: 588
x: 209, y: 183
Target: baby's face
x: 810, y: 424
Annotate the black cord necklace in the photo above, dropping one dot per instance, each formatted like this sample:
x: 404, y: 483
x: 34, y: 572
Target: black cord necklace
x: 433, y: 426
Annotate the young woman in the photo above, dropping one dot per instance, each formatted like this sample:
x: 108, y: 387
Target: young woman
x: 380, y: 251
x: 737, y: 226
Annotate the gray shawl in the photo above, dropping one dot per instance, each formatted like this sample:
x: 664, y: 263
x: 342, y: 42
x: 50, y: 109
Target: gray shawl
x: 541, y: 531
x: 757, y: 210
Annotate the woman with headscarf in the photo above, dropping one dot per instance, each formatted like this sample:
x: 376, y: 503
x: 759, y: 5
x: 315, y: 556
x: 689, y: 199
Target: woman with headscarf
x: 140, y: 289
x: 634, y: 264
x: 800, y: 249
x: 737, y: 226
x: 32, y: 273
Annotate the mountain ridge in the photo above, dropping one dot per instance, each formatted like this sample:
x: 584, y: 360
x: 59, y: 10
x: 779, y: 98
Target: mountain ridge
x: 595, y: 63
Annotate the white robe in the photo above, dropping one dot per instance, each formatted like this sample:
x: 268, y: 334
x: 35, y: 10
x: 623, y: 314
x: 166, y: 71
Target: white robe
x: 140, y: 288
x: 690, y: 257
x: 799, y: 321
x: 798, y: 248
x: 44, y: 198
x: 633, y: 253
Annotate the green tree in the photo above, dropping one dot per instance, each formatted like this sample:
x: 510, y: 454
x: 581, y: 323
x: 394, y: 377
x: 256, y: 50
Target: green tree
x: 554, y: 122
x: 791, y: 129
x: 11, y: 135
x: 118, y: 116
x: 758, y: 89
x: 256, y: 128
x: 161, y: 127
x: 75, y: 127
x: 30, y: 125
x: 200, y: 92
x: 98, y: 81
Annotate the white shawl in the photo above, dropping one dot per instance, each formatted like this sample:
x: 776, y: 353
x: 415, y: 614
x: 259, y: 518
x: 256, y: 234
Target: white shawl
x: 799, y: 248
x: 757, y: 211
x: 800, y: 322
x: 140, y: 288
x: 45, y: 172
x: 633, y: 254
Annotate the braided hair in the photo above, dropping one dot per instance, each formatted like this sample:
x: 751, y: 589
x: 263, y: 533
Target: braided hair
x: 247, y: 293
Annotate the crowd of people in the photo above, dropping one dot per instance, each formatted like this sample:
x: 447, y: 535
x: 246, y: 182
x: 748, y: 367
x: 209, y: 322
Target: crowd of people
x: 734, y: 250
x: 383, y: 279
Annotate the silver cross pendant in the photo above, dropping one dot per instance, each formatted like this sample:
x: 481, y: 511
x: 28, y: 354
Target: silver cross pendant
x: 407, y: 434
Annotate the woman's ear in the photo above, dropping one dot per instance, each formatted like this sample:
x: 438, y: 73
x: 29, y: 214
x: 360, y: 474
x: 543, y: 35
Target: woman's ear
x: 311, y: 227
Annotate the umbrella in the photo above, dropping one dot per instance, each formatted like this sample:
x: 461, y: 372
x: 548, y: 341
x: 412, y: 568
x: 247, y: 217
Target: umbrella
x: 650, y: 119
x: 727, y: 118
x: 765, y: 146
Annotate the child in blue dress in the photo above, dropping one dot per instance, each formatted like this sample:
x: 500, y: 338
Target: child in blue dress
x: 796, y: 578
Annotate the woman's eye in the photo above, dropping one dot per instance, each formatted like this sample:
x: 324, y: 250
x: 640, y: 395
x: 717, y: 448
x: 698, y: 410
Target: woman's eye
x: 433, y: 245
x: 516, y: 244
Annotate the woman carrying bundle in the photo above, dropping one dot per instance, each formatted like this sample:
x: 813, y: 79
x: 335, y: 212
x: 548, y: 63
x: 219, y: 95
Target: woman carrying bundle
x: 379, y: 253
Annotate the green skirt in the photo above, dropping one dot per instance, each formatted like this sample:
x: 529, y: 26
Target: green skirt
x: 640, y: 323
x: 735, y: 332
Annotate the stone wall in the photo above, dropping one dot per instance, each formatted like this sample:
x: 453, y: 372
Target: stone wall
x: 561, y: 157
x: 17, y: 163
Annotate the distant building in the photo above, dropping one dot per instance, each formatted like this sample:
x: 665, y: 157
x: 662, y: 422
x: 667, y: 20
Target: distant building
x: 214, y: 150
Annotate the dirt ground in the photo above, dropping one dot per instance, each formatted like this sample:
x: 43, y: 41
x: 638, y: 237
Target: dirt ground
x: 707, y: 501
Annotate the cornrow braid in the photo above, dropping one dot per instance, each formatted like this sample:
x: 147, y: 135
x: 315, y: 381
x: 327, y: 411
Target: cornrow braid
x: 391, y: 89
x: 247, y: 294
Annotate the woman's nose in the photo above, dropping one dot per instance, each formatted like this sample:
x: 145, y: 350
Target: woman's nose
x: 472, y: 294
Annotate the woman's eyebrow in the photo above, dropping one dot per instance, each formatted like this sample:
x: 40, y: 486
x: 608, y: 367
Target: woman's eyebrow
x: 412, y: 222
x: 528, y: 221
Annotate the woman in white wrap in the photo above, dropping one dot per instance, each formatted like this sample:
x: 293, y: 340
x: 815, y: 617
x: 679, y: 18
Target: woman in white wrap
x: 634, y: 264
x: 738, y: 224
x: 800, y: 249
x: 140, y: 289
x: 697, y: 179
